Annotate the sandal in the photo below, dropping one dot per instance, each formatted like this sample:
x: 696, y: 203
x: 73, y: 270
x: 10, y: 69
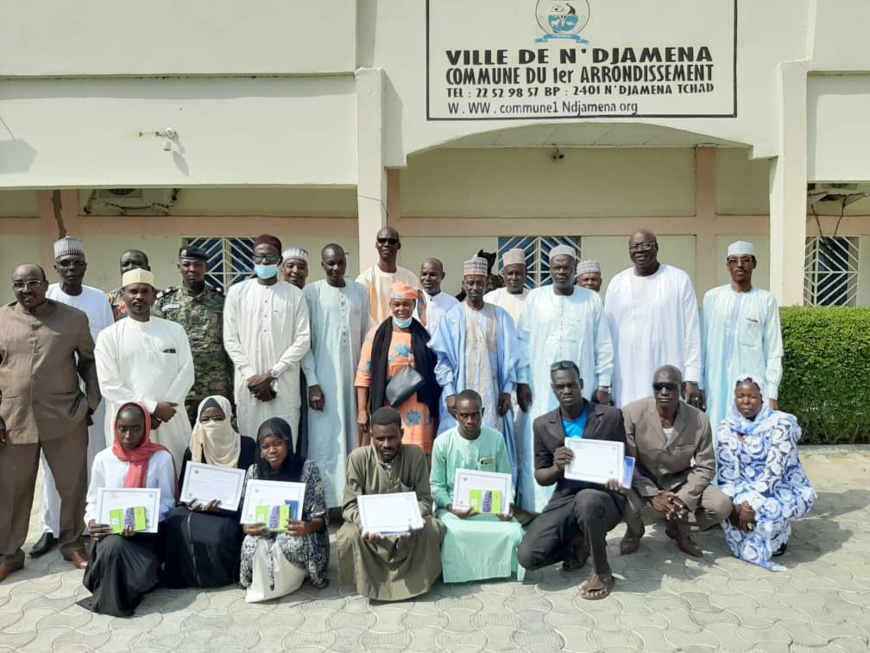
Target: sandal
x: 593, y: 591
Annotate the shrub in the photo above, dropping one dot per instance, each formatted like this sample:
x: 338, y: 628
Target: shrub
x: 826, y: 373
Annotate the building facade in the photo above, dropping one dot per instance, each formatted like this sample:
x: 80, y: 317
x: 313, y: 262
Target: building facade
x: 465, y: 125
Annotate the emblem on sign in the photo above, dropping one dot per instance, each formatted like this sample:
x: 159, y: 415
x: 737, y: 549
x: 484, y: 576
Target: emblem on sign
x: 562, y: 20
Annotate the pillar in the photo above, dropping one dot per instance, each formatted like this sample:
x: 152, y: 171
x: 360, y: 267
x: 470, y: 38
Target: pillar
x: 705, y: 216
x: 371, y: 174
x: 788, y: 187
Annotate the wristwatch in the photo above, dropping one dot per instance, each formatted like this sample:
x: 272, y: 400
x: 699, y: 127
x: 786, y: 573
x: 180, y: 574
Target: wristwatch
x: 604, y: 388
x: 275, y: 374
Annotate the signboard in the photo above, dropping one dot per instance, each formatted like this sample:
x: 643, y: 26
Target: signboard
x: 555, y: 59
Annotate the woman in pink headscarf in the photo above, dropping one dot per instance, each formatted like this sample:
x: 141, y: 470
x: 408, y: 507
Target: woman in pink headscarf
x: 124, y: 566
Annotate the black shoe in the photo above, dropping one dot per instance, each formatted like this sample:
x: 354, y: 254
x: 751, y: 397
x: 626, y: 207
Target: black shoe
x: 779, y: 551
x: 43, y: 545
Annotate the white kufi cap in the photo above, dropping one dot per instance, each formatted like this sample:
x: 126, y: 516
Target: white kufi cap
x: 741, y: 248
x: 67, y: 245
x: 513, y: 257
x: 563, y: 250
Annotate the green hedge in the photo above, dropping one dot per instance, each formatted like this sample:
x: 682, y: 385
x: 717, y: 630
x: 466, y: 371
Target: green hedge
x: 826, y: 373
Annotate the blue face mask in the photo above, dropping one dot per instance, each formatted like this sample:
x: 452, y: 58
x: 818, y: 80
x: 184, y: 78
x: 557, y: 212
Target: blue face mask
x: 266, y: 271
x: 403, y: 324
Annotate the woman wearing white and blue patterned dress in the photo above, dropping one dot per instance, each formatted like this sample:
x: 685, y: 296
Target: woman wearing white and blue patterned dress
x: 759, y: 468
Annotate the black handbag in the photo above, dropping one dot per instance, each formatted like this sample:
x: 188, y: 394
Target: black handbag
x: 400, y: 388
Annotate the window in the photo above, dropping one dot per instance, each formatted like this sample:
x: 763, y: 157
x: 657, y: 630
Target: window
x: 831, y: 271
x: 537, y: 249
x: 229, y: 259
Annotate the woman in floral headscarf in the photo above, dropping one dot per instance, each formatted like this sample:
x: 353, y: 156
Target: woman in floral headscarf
x: 759, y: 468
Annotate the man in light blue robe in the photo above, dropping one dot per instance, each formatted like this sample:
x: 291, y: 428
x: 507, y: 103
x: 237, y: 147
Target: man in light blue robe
x: 339, y: 317
x: 742, y: 335
x: 479, y: 544
x: 559, y: 322
x: 477, y: 348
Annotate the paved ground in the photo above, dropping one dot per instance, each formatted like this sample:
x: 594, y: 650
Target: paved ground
x: 663, y: 601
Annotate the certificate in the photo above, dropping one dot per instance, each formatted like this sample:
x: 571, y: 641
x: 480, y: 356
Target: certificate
x: 272, y: 494
x: 389, y: 514
x: 595, y: 461
x: 136, y: 507
x: 209, y: 482
x: 485, y: 492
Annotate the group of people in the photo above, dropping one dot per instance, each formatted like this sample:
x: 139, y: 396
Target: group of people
x: 388, y: 384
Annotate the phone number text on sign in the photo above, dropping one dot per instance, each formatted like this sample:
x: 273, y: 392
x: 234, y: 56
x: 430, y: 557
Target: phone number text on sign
x: 565, y: 79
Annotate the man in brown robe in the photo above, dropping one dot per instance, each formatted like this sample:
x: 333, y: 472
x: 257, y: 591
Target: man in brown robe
x: 396, y: 567
x: 45, y: 347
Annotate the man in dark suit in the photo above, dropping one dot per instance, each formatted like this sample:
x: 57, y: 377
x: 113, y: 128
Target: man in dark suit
x: 45, y: 347
x: 675, y: 465
x: 575, y: 522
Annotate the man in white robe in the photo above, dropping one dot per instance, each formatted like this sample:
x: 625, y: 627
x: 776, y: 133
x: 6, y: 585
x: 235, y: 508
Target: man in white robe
x: 146, y: 359
x: 477, y: 349
x: 266, y: 335
x: 71, y: 265
x: 436, y: 303
x: 514, y: 273
x: 652, y: 312
x: 339, y: 314
x: 379, y: 279
x: 742, y: 335
x: 559, y: 322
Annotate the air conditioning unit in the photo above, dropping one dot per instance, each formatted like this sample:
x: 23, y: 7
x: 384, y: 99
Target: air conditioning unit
x: 131, y: 201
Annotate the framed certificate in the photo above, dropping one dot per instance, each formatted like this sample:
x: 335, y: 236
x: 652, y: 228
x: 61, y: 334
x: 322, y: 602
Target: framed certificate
x: 135, y: 507
x: 595, y: 461
x: 272, y: 495
x: 389, y: 514
x: 209, y: 482
x: 484, y: 492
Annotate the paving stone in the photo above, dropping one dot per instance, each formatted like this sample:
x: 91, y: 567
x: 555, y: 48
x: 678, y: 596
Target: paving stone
x: 460, y: 620
x: 539, y: 641
x: 461, y: 642
x: 608, y: 640
x: 423, y: 639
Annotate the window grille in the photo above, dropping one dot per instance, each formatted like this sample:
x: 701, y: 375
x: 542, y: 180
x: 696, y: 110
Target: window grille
x: 831, y: 271
x: 537, y: 249
x: 230, y: 260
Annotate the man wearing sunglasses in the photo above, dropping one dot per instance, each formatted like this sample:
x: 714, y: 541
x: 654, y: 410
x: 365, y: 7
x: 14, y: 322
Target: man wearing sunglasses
x: 742, y: 335
x: 46, y: 353
x: 70, y: 265
x: 652, y: 311
x: 675, y: 464
x: 379, y: 279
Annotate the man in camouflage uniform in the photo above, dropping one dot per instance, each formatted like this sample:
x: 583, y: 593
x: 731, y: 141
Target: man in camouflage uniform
x: 200, y: 310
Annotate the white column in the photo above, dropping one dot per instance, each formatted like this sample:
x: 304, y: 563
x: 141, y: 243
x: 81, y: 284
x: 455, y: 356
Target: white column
x: 371, y: 192
x: 788, y: 188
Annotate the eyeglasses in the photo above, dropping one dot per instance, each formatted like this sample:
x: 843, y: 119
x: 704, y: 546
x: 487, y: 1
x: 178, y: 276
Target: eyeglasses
x: 72, y: 265
x: 564, y: 365
x: 206, y: 420
x: 388, y: 241
x: 745, y: 260
x: 33, y: 284
x: 670, y: 387
x: 642, y: 247
x: 265, y: 258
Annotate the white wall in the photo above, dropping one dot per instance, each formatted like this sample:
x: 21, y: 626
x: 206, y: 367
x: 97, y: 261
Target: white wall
x: 162, y: 37
x: 838, y: 35
x: 19, y: 203
x: 15, y: 250
x: 742, y: 184
x: 85, y: 133
x: 838, y: 140
x: 529, y: 183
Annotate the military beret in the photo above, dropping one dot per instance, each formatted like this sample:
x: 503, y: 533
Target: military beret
x: 191, y: 252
